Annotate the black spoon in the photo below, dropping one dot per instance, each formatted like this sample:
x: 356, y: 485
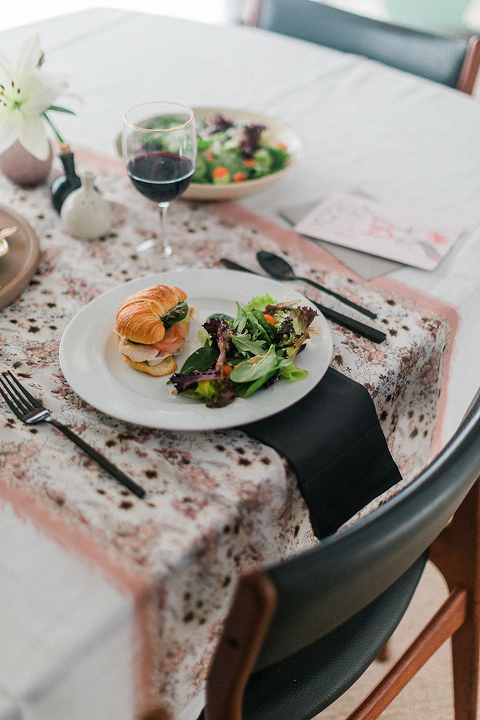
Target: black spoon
x: 280, y: 269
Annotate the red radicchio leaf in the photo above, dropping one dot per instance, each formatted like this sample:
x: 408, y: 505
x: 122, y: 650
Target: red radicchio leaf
x: 251, y: 139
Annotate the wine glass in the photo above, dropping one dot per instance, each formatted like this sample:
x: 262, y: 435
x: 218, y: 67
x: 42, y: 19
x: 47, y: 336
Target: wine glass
x: 159, y: 143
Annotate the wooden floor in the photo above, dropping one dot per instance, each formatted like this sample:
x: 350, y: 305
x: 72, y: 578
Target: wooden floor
x: 429, y: 695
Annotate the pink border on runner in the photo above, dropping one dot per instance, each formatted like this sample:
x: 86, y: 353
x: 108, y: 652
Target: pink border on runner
x: 100, y: 161
x: 438, y: 307
x: 126, y: 581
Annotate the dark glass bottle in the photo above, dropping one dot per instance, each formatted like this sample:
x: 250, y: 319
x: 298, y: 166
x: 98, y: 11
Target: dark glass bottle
x: 64, y: 184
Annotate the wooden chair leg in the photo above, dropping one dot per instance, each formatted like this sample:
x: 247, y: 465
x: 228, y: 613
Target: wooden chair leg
x: 384, y: 653
x: 465, y: 651
x: 456, y: 553
x: 446, y: 620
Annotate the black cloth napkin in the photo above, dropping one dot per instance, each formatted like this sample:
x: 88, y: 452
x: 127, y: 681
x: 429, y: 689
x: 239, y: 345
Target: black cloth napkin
x: 333, y: 440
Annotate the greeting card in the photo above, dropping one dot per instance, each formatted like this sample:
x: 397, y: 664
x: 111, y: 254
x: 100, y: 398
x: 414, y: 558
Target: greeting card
x: 383, y: 230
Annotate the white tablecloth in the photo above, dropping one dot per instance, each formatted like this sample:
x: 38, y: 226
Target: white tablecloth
x: 397, y: 138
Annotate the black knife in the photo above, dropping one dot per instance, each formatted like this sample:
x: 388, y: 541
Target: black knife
x: 357, y: 326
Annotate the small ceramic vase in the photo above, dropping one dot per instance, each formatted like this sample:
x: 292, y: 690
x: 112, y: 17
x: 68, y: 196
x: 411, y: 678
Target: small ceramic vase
x: 85, y: 213
x: 23, y: 168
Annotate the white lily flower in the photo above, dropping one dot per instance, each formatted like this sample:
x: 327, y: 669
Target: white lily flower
x: 26, y: 92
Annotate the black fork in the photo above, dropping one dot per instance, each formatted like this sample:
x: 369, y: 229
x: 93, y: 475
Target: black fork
x: 31, y: 411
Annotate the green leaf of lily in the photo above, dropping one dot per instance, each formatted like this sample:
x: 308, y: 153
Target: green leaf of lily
x: 57, y: 108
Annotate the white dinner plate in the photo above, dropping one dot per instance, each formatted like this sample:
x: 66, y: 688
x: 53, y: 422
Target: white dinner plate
x: 94, y: 367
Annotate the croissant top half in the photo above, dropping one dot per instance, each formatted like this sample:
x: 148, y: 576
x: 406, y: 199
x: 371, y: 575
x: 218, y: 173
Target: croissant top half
x: 139, y: 317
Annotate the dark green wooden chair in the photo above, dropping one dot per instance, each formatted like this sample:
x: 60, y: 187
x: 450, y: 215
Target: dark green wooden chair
x: 449, y: 60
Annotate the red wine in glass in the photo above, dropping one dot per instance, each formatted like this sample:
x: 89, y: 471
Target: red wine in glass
x: 160, y: 176
x: 159, y: 143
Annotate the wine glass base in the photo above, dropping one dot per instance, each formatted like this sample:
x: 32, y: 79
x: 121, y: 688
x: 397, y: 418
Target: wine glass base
x: 152, y: 243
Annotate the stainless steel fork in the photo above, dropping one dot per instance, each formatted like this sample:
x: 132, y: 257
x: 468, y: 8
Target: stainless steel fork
x: 31, y: 411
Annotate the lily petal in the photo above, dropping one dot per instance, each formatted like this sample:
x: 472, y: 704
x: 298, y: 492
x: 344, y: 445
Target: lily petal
x: 8, y: 131
x: 33, y: 137
x: 39, y: 95
x: 28, y: 56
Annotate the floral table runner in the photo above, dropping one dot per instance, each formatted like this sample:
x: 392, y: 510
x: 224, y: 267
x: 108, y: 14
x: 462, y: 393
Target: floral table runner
x: 218, y: 502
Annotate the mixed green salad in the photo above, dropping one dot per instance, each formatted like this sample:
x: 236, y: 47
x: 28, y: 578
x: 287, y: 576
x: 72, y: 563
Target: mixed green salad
x: 242, y: 354
x: 234, y: 152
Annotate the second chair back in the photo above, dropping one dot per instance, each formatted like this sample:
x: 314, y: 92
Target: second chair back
x: 452, y: 61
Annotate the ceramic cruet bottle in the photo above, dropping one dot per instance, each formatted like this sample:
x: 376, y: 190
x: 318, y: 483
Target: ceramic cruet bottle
x: 64, y: 184
x: 85, y: 213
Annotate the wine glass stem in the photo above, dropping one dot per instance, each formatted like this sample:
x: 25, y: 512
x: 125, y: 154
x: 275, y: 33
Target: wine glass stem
x: 163, y: 207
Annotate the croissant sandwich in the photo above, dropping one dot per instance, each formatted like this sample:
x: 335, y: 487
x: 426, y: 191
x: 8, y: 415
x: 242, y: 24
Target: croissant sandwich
x: 152, y: 326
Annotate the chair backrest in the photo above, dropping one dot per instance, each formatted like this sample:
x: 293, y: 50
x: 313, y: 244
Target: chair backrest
x: 452, y: 61
x: 279, y: 611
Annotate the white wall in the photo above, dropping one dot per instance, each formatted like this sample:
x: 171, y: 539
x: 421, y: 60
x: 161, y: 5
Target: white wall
x: 21, y: 12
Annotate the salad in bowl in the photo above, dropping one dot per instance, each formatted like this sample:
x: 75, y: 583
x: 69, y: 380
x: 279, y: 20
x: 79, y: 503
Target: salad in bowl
x: 240, y: 153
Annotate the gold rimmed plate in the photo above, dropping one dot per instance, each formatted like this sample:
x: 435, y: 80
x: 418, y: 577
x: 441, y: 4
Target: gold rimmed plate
x: 18, y: 264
